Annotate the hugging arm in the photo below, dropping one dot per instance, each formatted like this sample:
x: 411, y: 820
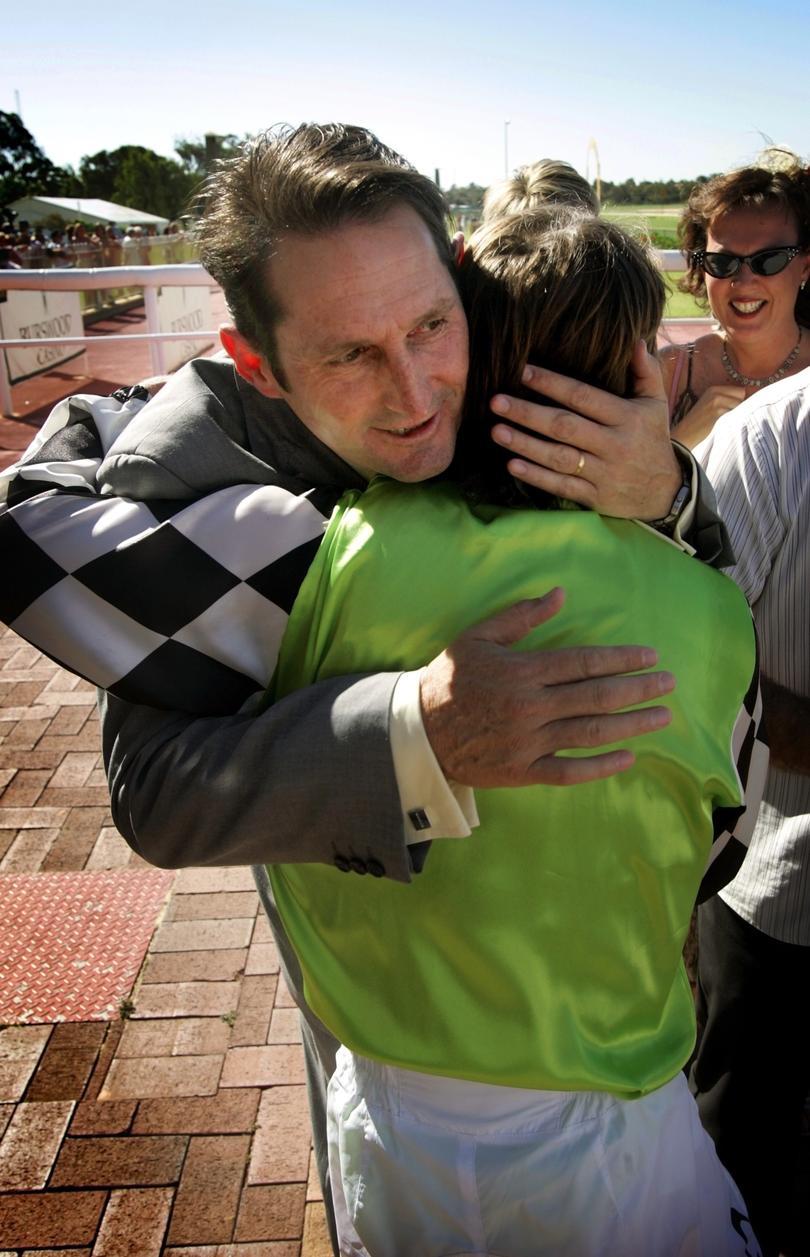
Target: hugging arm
x: 308, y: 780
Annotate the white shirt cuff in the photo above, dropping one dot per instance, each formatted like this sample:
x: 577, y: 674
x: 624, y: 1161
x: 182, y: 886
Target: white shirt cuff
x: 687, y: 515
x: 432, y: 806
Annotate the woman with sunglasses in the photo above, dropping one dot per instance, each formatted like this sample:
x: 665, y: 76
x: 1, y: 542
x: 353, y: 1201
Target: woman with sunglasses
x: 747, y: 240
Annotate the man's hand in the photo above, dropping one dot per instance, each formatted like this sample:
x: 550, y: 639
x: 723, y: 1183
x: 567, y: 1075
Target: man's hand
x: 610, y: 453
x: 497, y: 717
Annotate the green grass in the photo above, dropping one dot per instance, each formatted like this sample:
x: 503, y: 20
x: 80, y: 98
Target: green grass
x: 652, y: 218
x: 659, y: 222
x: 680, y: 305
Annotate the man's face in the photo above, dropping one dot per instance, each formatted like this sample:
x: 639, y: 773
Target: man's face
x: 372, y: 344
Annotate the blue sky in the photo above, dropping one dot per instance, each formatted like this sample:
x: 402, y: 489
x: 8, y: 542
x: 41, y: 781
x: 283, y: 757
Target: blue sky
x: 664, y: 90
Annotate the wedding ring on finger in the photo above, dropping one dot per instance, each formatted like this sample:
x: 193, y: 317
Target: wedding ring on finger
x: 580, y: 465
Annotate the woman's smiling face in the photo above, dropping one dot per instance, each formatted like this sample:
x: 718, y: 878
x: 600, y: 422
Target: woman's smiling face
x: 749, y: 305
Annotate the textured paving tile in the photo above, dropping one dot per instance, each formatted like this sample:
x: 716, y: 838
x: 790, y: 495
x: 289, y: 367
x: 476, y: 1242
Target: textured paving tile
x: 187, y: 999
x: 226, y: 1113
x: 128, y: 1161
x: 314, y: 1191
x: 29, y: 850
x: 283, y: 997
x: 24, y: 735
x: 202, y: 935
x: 111, y: 1117
x: 7, y: 1112
x: 30, y: 1144
x: 32, y: 817
x: 134, y: 1222
x: 263, y: 1066
x: 109, y: 852
x: 53, y: 1252
x: 285, y: 1026
x: 67, y: 1063
x: 315, y: 1241
x: 202, y: 881
x: 24, y: 789
x: 224, y: 904
x: 274, y: 1248
x: 262, y: 958
x: 112, y: 1037
x: 75, y: 768
x: 151, y: 1076
x: 224, y: 965
x: 183, y: 1036
x: 261, y: 930
x: 68, y: 721
x: 254, y: 1011
x: 280, y: 1151
x: 271, y: 1213
x: 72, y: 943
x: 20, y: 1050
x: 44, y: 1219
x: 208, y: 1195
x: 74, y: 796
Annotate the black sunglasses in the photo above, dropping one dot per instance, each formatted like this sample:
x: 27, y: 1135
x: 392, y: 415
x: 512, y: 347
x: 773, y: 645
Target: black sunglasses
x: 764, y: 262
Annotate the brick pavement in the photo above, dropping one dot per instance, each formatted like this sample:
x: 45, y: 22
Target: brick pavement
x: 183, y: 1127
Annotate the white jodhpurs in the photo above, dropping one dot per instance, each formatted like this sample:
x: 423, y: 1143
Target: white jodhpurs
x: 423, y: 1166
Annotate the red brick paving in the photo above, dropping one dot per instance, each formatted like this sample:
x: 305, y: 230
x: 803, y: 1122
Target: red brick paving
x: 72, y: 943
x: 183, y: 1129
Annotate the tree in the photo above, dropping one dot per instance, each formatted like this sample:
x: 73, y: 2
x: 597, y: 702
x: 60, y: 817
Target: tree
x: 198, y: 155
x: 139, y: 178
x: 24, y: 168
x: 471, y: 194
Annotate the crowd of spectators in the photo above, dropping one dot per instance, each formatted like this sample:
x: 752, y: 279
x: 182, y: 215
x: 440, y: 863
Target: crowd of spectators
x: 80, y: 245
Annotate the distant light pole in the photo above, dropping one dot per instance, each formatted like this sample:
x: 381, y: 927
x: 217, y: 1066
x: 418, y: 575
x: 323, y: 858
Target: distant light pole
x: 506, y: 149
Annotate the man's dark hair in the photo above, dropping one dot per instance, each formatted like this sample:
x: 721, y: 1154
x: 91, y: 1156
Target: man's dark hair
x: 308, y: 179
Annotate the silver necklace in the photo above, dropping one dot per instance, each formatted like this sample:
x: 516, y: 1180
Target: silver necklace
x: 747, y: 381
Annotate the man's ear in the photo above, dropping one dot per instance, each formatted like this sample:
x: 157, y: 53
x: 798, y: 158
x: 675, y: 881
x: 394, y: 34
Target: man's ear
x: 250, y: 364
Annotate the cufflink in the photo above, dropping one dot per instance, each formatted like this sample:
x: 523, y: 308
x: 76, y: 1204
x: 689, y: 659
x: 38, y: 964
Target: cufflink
x: 419, y: 818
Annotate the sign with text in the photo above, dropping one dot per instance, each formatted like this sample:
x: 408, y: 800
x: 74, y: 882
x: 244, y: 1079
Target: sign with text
x: 36, y: 316
x: 184, y: 310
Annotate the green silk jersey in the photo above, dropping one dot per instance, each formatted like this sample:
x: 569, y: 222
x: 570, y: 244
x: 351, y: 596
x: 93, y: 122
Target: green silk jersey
x: 544, y: 951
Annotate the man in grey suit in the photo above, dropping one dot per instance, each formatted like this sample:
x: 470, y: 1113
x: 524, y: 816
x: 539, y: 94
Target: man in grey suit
x: 350, y: 347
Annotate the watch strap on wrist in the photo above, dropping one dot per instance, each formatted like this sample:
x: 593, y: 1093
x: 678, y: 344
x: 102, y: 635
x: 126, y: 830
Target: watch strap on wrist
x: 667, y: 522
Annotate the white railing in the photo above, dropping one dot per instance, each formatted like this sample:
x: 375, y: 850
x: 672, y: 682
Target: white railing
x: 150, y: 278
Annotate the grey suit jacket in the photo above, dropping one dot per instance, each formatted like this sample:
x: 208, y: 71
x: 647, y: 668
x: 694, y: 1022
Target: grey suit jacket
x: 311, y: 778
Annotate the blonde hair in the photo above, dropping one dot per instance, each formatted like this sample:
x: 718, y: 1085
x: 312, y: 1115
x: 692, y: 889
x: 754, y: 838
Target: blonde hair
x: 544, y: 183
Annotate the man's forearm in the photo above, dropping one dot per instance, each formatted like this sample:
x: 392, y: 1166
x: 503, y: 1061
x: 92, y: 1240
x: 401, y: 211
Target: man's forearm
x: 787, y: 720
x: 310, y: 779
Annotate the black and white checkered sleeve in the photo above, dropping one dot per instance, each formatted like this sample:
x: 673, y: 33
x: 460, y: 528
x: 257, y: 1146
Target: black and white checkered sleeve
x: 734, y: 826
x: 173, y: 605
x: 176, y: 605
x: 69, y: 447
